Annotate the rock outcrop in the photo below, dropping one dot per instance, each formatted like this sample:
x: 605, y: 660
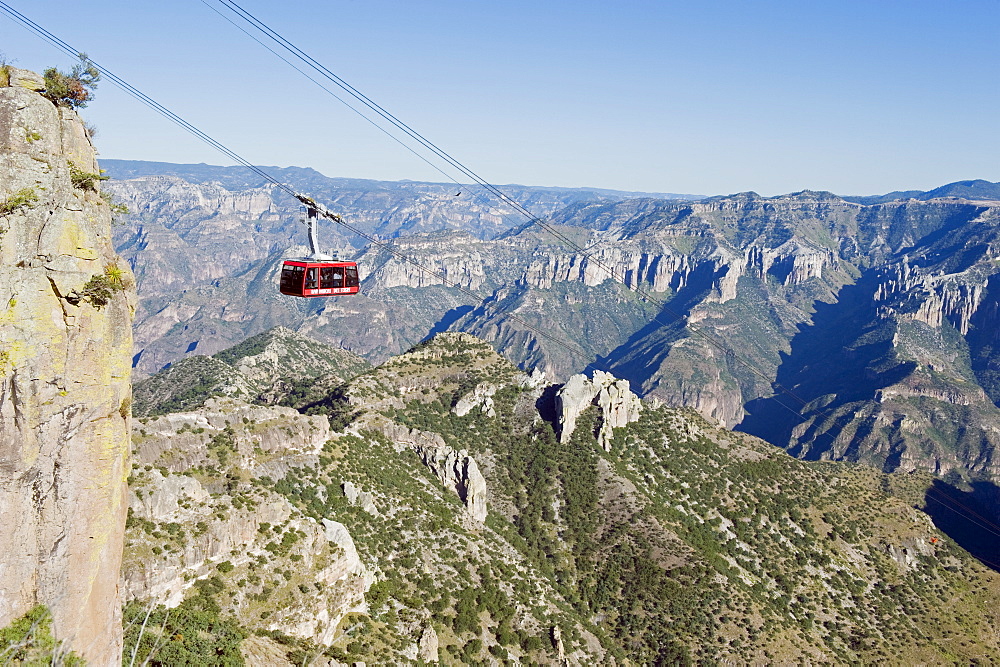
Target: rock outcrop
x: 458, y: 470
x: 427, y: 648
x: 455, y: 469
x: 363, y: 499
x: 481, y: 397
x: 618, y: 405
x: 66, y: 305
x: 200, y: 507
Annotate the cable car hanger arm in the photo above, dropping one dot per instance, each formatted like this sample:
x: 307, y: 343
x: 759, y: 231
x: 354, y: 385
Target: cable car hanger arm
x: 313, y: 210
x: 311, y: 203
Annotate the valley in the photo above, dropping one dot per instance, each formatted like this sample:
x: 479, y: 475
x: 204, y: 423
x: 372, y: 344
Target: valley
x: 734, y: 306
x: 610, y: 530
x: 721, y: 388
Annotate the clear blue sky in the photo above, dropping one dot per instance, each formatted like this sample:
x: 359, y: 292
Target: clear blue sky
x: 702, y: 96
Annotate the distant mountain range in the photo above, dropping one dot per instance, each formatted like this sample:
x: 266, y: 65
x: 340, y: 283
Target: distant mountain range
x: 830, y: 327
x: 977, y: 189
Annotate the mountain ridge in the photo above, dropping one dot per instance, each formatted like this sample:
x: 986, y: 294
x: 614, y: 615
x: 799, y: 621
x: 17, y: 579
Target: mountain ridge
x: 753, y: 274
x: 673, y: 541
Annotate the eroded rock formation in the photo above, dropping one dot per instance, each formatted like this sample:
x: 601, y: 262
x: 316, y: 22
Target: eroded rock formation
x: 618, y: 405
x: 455, y: 469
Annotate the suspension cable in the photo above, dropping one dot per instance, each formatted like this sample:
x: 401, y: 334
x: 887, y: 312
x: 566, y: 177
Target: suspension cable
x: 385, y: 245
x: 533, y: 219
x: 573, y: 348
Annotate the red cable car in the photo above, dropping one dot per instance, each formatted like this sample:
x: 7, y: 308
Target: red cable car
x: 309, y: 277
x: 317, y: 274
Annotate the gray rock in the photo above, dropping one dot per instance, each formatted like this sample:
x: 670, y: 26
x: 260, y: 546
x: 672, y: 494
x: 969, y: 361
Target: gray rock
x: 557, y: 641
x: 575, y: 396
x: 619, y: 406
x: 361, y: 498
x: 367, y: 502
x: 339, y: 535
x: 23, y: 78
x: 65, y: 380
x: 351, y: 492
x: 481, y: 397
x: 458, y: 470
x: 428, y: 646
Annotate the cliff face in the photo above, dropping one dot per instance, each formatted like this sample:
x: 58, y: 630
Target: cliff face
x: 65, y: 345
x: 199, y: 509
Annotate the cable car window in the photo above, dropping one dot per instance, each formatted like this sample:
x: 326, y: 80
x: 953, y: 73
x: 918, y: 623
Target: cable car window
x: 311, y: 278
x: 351, y: 279
x: 331, y: 276
x: 291, y: 277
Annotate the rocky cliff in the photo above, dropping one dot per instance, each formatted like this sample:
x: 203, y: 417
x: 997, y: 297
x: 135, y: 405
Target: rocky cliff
x: 618, y: 405
x: 198, y: 509
x: 66, y: 305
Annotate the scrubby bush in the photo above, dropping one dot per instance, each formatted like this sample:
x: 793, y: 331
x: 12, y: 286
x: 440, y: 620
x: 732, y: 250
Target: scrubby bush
x: 85, y: 180
x: 20, y: 199
x: 74, y: 89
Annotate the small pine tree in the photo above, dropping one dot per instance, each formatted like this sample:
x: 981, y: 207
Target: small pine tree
x: 75, y: 89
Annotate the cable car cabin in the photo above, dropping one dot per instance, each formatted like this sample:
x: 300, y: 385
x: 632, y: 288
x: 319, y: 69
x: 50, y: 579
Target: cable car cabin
x: 307, y: 277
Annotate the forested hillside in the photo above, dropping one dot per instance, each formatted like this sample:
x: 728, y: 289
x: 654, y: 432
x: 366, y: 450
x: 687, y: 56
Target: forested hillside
x: 509, y: 519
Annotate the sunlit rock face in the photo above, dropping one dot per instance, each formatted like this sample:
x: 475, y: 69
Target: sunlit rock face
x: 66, y: 305
x: 617, y: 404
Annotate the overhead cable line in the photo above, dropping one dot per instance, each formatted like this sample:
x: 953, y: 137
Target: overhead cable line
x: 817, y: 417
x: 968, y: 512
x: 331, y: 93
x: 533, y: 219
x: 162, y: 110
x: 387, y: 246
x: 170, y: 115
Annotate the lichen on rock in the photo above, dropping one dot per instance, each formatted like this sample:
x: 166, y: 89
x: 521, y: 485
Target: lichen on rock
x: 65, y: 379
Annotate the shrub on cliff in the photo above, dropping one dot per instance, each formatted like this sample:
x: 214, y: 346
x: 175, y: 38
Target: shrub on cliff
x: 75, y: 89
x: 21, y: 199
x: 28, y: 641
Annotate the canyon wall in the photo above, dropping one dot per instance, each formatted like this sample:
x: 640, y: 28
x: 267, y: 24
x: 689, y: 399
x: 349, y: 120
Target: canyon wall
x: 66, y: 305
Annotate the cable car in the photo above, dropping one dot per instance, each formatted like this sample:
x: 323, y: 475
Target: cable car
x: 318, y: 274
x: 308, y: 277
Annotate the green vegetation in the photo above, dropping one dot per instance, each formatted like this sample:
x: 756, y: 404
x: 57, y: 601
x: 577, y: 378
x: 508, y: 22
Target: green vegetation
x: 685, y: 543
x: 84, y: 180
x: 101, y: 288
x: 192, y: 634
x: 29, y: 641
x: 117, y: 208
x: 283, y: 369
x: 23, y: 198
x: 75, y: 88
